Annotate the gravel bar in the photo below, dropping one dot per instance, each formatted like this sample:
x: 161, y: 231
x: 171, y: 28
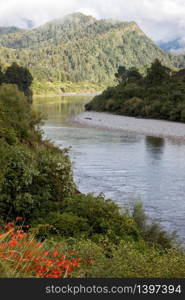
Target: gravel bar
x: 158, y: 128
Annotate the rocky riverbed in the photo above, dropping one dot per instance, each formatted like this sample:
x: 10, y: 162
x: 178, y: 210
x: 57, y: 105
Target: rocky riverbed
x: 148, y: 127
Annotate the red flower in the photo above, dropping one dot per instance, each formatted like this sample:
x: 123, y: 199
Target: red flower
x: 19, y: 219
x: 12, y: 243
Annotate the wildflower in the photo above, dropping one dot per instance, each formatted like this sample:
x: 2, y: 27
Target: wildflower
x: 28, y: 258
x: 19, y: 219
x: 46, y: 253
x: 12, y: 243
x: 55, y: 253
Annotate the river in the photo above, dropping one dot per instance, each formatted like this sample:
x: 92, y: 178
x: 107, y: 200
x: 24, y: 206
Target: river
x: 125, y: 167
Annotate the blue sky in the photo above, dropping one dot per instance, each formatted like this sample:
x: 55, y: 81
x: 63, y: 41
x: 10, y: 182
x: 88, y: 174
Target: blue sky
x: 159, y: 19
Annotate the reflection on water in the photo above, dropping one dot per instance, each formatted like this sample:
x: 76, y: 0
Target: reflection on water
x: 125, y: 167
x: 59, y: 109
x: 155, y: 143
x: 155, y: 147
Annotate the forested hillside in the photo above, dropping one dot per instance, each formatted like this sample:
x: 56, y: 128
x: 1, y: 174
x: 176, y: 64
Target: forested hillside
x: 7, y: 30
x: 80, y: 48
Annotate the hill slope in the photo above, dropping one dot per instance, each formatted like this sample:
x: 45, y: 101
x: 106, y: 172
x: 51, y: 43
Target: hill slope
x: 8, y: 30
x: 81, y: 48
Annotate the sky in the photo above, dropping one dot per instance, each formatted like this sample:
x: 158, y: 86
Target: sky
x: 159, y: 19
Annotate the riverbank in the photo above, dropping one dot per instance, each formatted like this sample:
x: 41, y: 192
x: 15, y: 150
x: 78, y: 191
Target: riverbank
x: 150, y: 127
x: 70, y: 94
x: 63, y: 88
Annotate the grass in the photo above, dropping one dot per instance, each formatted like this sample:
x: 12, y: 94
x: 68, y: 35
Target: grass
x: 22, y: 255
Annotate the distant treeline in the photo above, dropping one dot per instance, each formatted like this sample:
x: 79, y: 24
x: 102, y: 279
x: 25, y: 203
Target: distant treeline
x: 160, y: 94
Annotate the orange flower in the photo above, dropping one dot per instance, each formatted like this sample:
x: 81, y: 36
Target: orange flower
x: 55, y: 253
x: 12, y: 243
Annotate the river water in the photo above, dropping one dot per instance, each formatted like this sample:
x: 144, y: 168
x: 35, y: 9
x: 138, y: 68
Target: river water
x: 125, y: 167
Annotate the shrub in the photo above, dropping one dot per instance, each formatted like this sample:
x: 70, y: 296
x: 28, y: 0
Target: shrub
x: 151, y: 231
x: 33, y: 171
x: 32, y: 178
x: 92, y: 217
x: 16, y: 117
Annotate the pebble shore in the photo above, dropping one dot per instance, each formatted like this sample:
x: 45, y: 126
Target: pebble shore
x: 148, y: 127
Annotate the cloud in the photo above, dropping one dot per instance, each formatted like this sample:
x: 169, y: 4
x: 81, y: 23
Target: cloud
x: 160, y: 19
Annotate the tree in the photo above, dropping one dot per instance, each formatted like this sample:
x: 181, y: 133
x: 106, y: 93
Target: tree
x: 122, y: 75
x: 157, y: 73
x: 134, y: 75
x: 21, y: 77
x: 1, y: 76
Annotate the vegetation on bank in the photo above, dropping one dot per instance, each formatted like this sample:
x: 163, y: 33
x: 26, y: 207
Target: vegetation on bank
x: 58, y: 87
x: 159, y: 95
x: 23, y: 255
x: 15, y: 74
x: 37, y: 189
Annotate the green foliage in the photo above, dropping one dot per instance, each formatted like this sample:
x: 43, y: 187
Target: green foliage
x: 16, y: 119
x: 89, y: 216
x: 160, y: 94
x: 58, y: 87
x: 152, y: 232
x: 126, y: 259
x: 80, y: 48
x: 137, y: 260
x: 20, y: 76
x: 157, y: 73
x: 124, y: 76
x: 32, y: 179
x: 1, y: 76
x: 33, y: 172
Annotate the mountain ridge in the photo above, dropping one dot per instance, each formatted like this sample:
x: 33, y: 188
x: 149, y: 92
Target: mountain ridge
x: 56, y: 31
x: 81, y: 48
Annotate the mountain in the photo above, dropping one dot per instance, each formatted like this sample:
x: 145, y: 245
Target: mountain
x: 26, y: 23
x: 175, y: 45
x: 170, y: 45
x: 81, y: 48
x: 7, y: 30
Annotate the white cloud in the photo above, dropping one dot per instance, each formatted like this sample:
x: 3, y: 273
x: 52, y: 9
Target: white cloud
x: 160, y: 19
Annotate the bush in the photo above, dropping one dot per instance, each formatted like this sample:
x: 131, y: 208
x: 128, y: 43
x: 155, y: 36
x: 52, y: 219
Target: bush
x: 32, y: 179
x: 151, y: 231
x: 33, y: 172
x: 17, y: 120
x: 66, y: 224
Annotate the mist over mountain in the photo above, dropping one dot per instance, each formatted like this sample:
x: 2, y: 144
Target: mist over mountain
x: 176, y: 46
